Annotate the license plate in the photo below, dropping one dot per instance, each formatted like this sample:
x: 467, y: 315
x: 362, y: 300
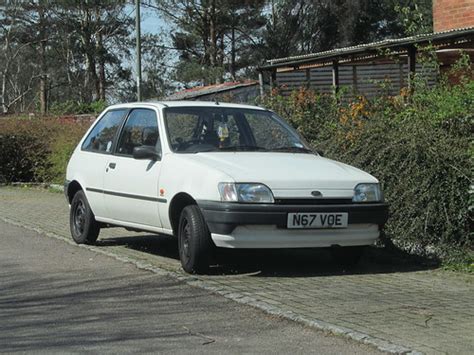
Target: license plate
x: 318, y: 220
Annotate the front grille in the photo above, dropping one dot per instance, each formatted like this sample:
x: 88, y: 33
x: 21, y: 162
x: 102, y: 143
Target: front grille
x: 313, y: 201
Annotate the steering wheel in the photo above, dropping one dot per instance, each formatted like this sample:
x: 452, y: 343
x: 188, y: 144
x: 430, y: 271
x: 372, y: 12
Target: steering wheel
x: 183, y: 146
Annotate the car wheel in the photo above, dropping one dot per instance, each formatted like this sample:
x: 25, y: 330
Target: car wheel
x: 348, y: 256
x: 84, y: 227
x: 194, y: 241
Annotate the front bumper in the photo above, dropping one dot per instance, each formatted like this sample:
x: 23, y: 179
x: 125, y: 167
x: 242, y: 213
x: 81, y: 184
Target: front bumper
x: 237, y: 225
x: 224, y: 217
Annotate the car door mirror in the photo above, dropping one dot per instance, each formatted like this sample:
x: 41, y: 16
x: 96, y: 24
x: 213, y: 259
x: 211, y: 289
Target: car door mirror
x: 146, y: 152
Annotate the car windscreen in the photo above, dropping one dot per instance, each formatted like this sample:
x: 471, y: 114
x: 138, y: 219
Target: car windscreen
x: 215, y: 129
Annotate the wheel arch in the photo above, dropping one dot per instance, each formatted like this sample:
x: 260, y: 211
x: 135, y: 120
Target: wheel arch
x: 73, y: 187
x: 177, y: 204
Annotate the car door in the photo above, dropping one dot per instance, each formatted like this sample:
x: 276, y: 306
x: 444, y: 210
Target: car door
x: 94, y: 155
x: 131, y: 185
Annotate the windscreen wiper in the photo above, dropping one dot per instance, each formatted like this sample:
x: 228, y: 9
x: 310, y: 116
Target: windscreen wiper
x: 292, y: 149
x: 233, y: 148
x: 242, y: 148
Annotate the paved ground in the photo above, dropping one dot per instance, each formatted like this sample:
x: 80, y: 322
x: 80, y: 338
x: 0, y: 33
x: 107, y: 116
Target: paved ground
x: 57, y: 298
x: 397, y: 307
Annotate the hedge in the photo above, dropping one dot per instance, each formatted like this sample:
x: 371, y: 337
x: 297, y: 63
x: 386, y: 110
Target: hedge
x: 419, y: 147
x: 38, y: 149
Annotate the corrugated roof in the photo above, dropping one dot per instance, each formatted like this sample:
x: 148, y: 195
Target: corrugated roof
x: 374, y: 46
x: 210, y: 89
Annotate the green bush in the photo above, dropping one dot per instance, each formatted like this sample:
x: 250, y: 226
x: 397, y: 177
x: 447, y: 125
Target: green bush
x: 37, y: 150
x: 73, y: 107
x: 20, y: 157
x: 419, y: 148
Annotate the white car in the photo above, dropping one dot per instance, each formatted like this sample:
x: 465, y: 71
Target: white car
x: 217, y: 175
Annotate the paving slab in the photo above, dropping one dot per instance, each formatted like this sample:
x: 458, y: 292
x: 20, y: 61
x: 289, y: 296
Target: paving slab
x: 395, y: 307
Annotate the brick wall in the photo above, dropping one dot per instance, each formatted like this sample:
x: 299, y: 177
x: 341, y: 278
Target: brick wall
x: 451, y: 14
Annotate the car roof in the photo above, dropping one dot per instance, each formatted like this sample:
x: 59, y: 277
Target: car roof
x: 164, y: 104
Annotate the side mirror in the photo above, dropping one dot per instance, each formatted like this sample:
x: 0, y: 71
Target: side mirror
x: 146, y: 152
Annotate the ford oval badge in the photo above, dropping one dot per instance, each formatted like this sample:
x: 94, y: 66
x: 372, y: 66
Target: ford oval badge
x: 316, y: 194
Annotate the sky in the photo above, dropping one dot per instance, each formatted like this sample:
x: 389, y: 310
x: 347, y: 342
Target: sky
x: 151, y: 21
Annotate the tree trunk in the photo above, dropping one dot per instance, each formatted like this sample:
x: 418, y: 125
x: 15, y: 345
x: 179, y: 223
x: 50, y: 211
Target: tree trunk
x: 101, y: 60
x: 220, y: 77
x: 3, y: 100
x: 43, y: 81
x: 213, y: 36
x: 4, y: 92
x: 69, y: 55
x: 102, y: 81
x: 42, y: 58
x: 90, y: 78
x: 93, y: 80
x: 232, y: 54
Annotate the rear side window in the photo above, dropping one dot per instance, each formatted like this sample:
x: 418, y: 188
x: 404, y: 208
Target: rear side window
x: 101, y: 138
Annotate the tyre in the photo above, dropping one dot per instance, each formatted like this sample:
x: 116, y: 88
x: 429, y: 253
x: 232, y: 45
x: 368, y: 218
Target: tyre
x: 194, y: 241
x: 84, y: 227
x: 348, y: 256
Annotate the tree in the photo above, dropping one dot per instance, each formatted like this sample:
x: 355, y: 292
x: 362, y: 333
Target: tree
x: 415, y: 18
x: 96, y: 28
x: 212, y: 36
x: 304, y: 26
x: 155, y: 73
x: 24, y: 29
x: 61, y: 51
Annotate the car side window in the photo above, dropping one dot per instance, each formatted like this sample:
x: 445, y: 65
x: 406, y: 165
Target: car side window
x: 101, y: 138
x: 140, y: 129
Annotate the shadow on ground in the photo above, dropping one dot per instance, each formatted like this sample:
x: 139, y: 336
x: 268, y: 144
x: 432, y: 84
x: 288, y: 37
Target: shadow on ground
x: 281, y: 262
x: 74, y: 312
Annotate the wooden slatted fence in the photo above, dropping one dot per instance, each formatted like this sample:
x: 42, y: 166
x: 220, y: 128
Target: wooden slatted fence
x: 365, y: 79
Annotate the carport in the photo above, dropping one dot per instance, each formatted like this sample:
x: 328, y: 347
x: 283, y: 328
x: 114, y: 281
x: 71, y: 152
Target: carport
x: 395, y: 60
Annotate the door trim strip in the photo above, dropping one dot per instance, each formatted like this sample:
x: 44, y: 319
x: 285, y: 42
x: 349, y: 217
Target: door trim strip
x: 121, y: 194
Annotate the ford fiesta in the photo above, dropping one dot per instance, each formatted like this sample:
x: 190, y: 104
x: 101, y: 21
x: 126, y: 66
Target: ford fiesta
x: 217, y: 175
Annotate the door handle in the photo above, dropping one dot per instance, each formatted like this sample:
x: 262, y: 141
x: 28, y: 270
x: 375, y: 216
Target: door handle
x: 112, y: 165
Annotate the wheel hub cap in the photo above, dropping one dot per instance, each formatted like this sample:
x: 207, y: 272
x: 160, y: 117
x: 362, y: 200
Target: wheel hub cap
x: 79, y: 218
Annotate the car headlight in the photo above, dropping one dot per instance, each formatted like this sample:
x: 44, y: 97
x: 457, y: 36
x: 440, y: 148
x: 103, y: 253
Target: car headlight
x: 367, y: 193
x: 248, y: 193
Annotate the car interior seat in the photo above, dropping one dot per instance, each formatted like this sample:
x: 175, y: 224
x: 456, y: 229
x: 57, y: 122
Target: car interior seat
x: 210, y: 137
x: 149, y: 136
